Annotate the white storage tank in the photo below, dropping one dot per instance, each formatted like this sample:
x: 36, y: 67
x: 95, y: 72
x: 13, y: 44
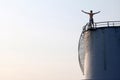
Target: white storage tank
x: 99, y: 52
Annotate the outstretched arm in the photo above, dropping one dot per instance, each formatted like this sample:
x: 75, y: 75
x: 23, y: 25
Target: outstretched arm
x: 96, y: 12
x: 84, y: 12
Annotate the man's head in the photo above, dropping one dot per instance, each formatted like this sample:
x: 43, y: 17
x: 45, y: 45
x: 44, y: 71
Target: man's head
x: 91, y: 11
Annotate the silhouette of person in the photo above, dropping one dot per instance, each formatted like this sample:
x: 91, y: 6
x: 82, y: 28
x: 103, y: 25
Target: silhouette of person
x: 91, y: 20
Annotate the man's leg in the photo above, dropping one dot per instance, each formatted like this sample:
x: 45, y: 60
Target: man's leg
x: 92, y: 22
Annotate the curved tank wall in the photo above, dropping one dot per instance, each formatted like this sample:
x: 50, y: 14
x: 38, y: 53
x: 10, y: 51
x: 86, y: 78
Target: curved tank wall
x: 102, y: 53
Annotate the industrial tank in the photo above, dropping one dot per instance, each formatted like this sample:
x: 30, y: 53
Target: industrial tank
x: 99, y: 51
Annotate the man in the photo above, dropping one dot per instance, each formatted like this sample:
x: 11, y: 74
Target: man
x: 91, y: 21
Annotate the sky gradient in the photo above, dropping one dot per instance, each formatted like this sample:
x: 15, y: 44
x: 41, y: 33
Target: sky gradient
x: 39, y: 38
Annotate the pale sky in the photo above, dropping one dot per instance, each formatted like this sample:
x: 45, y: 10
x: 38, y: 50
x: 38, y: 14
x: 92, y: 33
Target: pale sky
x: 39, y: 38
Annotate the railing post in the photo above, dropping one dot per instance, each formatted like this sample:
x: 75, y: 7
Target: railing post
x: 113, y: 23
x: 108, y: 23
x: 95, y: 25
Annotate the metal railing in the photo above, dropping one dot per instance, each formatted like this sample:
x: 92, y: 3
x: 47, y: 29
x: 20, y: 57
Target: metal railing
x: 101, y: 24
x: 107, y: 24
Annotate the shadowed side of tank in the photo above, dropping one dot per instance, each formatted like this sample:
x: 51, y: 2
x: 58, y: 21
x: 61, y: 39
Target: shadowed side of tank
x: 102, y: 53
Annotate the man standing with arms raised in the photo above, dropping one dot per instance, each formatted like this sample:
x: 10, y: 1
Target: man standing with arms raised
x: 91, y: 20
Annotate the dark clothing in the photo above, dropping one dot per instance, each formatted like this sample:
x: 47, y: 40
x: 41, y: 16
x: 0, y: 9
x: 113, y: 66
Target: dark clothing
x: 91, y: 21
